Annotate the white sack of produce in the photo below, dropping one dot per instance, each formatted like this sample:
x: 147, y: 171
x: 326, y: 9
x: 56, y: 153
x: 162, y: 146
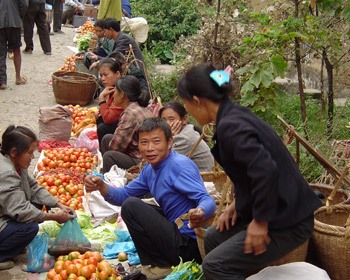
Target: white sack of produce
x: 291, y: 271
x: 138, y: 26
x: 99, y: 207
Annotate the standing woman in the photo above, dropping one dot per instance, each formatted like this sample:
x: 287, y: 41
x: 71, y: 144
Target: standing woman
x: 109, y: 113
x: 21, y: 196
x: 272, y: 213
x: 185, y: 137
x: 121, y: 148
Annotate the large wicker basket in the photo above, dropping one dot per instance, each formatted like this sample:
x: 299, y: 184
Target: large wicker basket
x: 74, y: 88
x: 331, y: 239
x: 339, y: 197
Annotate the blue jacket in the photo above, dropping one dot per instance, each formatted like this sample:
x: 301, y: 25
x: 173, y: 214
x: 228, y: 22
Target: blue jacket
x: 176, y: 185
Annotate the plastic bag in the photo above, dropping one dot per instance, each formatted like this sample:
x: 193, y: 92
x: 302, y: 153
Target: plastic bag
x: 84, y: 141
x: 70, y: 238
x: 38, y: 259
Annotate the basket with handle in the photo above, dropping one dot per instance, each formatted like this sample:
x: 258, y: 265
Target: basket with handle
x: 331, y: 235
x: 331, y: 239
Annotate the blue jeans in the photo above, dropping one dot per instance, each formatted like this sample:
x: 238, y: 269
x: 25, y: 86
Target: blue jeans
x: 15, y: 237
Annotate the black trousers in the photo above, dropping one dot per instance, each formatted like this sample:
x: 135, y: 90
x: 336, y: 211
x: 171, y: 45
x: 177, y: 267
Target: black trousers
x: 57, y: 15
x: 158, y: 241
x: 103, y: 129
x: 36, y: 14
x: 226, y: 260
x: 111, y: 158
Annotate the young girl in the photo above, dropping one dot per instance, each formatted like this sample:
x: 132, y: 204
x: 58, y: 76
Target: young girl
x: 121, y: 148
x: 108, y: 114
x: 272, y: 213
x: 20, y: 195
x: 185, y: 137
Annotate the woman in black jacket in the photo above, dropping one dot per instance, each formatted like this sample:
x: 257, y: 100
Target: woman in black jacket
x: 272, y: 213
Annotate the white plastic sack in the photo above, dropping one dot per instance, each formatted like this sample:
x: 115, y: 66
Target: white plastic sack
x: 138, y: 27
x: 99, y: 207
x: 291, y: 271
x: 96, y: 204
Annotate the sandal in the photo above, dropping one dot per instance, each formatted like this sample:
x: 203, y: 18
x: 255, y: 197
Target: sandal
x: 3, y: 86
x: 23, y: 80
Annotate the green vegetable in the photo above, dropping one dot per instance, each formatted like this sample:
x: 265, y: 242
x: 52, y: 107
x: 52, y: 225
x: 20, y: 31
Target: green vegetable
x: 84, y: 41
x: 50, y: 227
x: 186, y: 271
x: 84, y: 220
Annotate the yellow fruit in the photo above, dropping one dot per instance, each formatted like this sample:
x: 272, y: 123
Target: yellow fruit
x: 122, y: 257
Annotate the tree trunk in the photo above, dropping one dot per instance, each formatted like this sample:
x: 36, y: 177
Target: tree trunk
x: 300, y: 75
x: 330, y: 94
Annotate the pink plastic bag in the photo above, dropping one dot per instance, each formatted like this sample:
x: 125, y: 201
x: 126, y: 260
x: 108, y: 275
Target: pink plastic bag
x: 84, y: 141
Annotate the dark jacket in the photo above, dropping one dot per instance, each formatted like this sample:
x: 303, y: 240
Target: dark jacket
x: 122, y: 45
x: 11, y: 13
x: 268, y: 183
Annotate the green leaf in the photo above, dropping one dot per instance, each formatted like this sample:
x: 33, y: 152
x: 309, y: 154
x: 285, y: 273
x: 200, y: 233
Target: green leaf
x: 247, y: 87
x: 279, y: 65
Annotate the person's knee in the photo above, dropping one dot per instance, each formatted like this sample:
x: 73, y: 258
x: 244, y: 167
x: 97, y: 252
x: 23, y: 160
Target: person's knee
x: 130, y: 204
x: 33, y: 229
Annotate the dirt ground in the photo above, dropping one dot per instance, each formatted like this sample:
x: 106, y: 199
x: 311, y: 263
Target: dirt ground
x: 19, y: 104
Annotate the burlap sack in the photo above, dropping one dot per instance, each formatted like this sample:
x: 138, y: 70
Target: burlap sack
x: 55, y: 123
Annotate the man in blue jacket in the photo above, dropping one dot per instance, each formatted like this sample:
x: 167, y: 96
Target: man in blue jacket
x: 175, y: 183
x: 11, y: 13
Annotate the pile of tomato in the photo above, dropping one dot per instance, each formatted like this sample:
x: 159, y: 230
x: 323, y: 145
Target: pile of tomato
x: 63, y: 174
x: 69, y: 63
x: 79, y: 113
x: 76, y: 266
x: 76, y: 159
x: 87, y: 27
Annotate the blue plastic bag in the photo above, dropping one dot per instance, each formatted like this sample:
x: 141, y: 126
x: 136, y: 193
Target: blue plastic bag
x: 70, y: 238
x: 123, y: 244
x: 37, y: 249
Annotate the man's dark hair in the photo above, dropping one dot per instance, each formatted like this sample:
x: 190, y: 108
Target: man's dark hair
x: 99, y: 23
x: 151, y: 124
x: 112, y: 23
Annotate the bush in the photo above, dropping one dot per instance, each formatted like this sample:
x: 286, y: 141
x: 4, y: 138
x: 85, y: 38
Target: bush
x: 168, y: 20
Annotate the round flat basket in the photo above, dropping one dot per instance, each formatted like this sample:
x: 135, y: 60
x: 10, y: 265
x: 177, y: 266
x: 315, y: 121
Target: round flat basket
x: 74, y: 88
x: 331, y: 239
x: 340, y: 196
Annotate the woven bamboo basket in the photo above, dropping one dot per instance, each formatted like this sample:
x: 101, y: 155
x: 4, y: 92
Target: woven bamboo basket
x: 331, y: 239
x: 340, y: 196
x: 74, y: 88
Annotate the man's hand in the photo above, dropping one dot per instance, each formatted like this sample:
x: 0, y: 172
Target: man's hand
x: 229, y: 217
x: 94, y: 65
x: 60, y: 216
x: 196, y: 217
x: 95, y: 183
x: 257, y: 237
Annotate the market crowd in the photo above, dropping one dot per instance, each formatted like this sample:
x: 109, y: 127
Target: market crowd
x: 272, y: 210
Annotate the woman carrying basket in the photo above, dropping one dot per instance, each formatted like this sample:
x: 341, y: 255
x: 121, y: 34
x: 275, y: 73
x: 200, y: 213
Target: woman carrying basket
x: 272, y: 213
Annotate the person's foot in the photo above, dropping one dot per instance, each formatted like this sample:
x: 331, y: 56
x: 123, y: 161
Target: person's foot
x: 3, y: 86
x: 28, y: 51
x: 51, y: 33
x: 10, y: 55
x: 155, y: 272
x: 6, y: 265
x: 22, y: 81
x: 59, y: 32
x: 47, y: 53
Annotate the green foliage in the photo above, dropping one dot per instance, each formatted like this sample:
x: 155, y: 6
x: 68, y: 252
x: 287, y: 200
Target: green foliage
x: 286, y: 106
x: 168, y: 20
x: 164, y: 85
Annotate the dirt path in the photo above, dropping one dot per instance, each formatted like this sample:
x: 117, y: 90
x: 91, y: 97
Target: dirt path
x: 20, y: 104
